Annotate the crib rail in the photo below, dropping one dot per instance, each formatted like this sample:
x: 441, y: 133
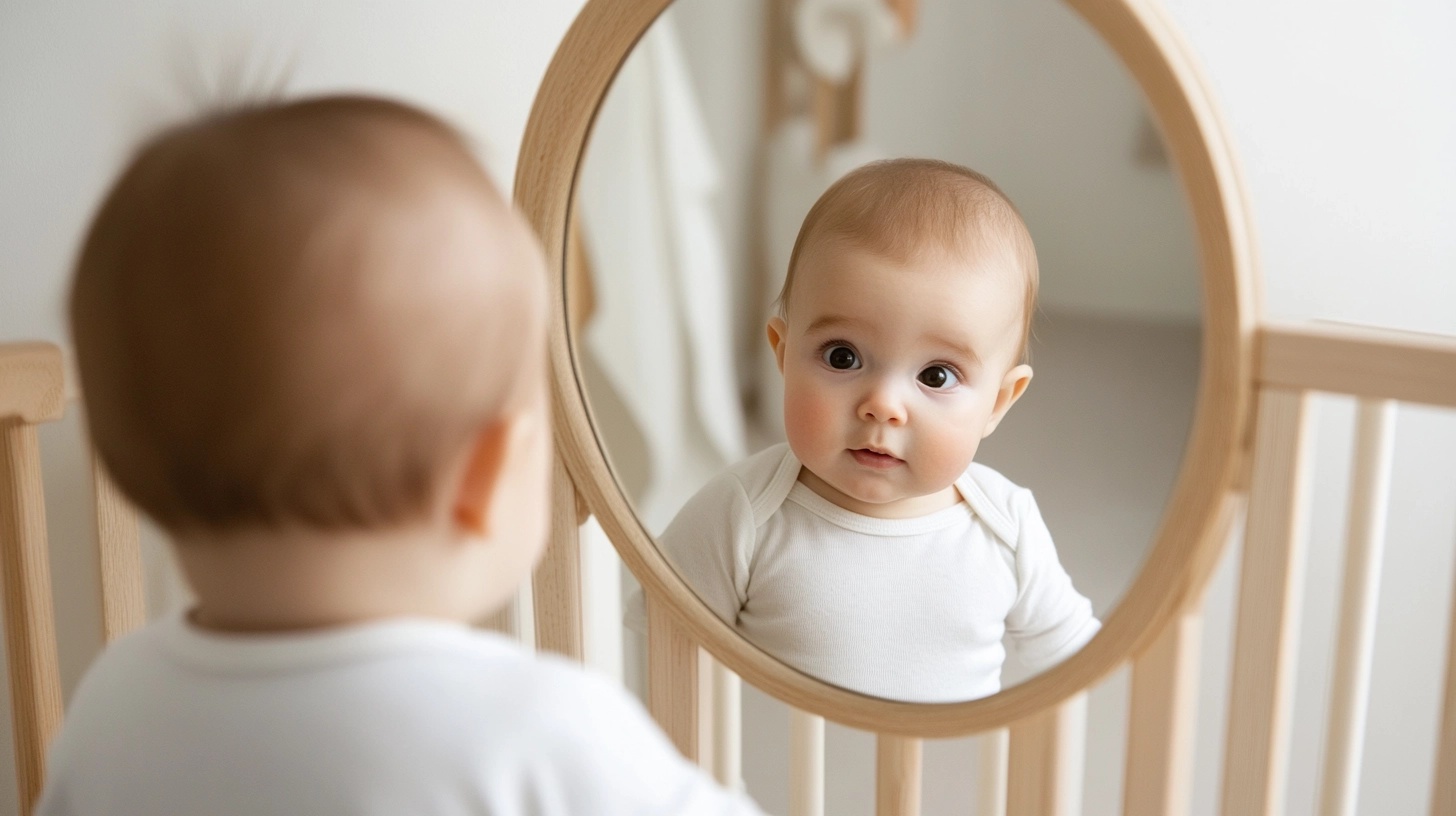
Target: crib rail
x: 1378, y: 367
x: 31, y: 392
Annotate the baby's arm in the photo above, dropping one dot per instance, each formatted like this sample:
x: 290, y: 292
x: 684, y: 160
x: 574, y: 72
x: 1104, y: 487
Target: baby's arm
x: 710, y: 542
x: 1050, y: 620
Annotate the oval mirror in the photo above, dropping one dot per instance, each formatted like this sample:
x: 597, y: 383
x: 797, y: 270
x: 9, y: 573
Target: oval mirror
x: 860, y: 565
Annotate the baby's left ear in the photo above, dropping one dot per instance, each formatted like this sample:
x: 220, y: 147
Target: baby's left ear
x: 1013, y: 385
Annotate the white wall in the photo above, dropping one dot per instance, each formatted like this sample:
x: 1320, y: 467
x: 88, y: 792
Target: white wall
x: 82, y: 81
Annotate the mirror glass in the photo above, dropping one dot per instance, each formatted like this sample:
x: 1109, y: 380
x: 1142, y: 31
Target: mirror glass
x: 724, y: 126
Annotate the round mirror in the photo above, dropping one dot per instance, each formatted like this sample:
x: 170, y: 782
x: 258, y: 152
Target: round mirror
x: 854, y: 558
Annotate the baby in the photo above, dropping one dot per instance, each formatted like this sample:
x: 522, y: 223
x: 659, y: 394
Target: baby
x: 869, y: 551
x: 311, y: 338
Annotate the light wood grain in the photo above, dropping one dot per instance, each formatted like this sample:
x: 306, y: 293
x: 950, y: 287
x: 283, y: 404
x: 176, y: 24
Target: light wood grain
x: 32, y: 390
x: 1186, y: 547
x: 1443, y: 794
x: 673, y: 679
x: 1360, y: 360
x: 707, y: 713
x: 897, y: 776
x: 32, y: 383
x: 991, y: 775
x: 118, y: 541
x: 556, y: 584
x: 505, y: 620
x: 1270, y: 588
x: 727, y: 722
x: 30, y: 630
x: 1355, y: 642
x: 1047, y: 761
x: 1158, y: 774
x: 806, y: 764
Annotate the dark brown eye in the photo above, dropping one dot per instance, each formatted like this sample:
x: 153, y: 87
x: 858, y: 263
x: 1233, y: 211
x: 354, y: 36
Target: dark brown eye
x: 937, y: 376
x: 841, y: 357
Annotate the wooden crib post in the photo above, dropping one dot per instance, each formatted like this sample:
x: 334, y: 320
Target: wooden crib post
x: 1158, y: 777
x: 31, y: 391
x: 806, y: 764
x: 991, y: 775
x: 118, y: 541
x: 1443, y: 798
x: 1046, y: 761
x: 1270, y: 587
x: 1355, y: 643
x: 897, y: 776
x: 556, y: 587
x: 673, y: 679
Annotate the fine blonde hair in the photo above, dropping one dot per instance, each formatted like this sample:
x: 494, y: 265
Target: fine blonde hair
x: 266, y: 330
x: 900, y: 207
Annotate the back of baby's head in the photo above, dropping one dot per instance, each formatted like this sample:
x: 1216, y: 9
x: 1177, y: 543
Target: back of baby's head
x: 301, y: 314
x: 899, y: 208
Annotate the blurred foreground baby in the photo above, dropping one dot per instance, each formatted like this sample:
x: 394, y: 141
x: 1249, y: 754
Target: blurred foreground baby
x: 869, y: 551
x: 311, y: 338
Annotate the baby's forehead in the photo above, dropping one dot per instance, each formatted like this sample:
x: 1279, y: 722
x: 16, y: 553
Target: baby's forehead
x: 940, y: 294
x: 827, y: 263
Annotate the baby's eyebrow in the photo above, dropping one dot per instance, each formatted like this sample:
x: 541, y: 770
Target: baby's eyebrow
x: 961, y: 348
x: 835, y: 322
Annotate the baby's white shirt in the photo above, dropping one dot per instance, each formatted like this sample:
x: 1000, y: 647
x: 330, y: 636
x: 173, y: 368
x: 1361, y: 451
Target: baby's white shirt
x: 909, y: 609
x: 402, y: 716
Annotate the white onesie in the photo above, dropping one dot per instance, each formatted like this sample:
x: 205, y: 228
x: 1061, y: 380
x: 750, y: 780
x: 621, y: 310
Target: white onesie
x: 385, y: 718
x: 908, y: 609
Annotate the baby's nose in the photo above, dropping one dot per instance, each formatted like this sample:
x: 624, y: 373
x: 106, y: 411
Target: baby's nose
x: 883, y: 404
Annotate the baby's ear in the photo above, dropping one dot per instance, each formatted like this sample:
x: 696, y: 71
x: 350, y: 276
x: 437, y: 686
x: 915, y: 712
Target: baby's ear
x: 778, y: 333
x: 1013, y: 385
x: 471, y: 509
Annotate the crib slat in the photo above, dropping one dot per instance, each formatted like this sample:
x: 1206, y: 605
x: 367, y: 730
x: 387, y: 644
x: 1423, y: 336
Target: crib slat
x: 727, y: 727
x: 1350, y: 695
x: 1158, y: 776
x: 995, y: 752
x: 30, y: 630
x: 118, y: 541
x: 1270, y: 587
x: 897, y: 776
x: 707, y: 713
x: 556, y: 586
x: 672, y: 679
x: 806, y: 764
x: 1046, y: 761
x: 1443, y: 799
x: 506, y: 620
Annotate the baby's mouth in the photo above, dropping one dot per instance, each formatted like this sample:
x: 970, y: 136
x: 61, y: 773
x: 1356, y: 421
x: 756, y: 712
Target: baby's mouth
x: 875, y: 459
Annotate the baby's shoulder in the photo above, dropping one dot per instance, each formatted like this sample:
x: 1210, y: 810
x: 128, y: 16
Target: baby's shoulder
x: 756, y: 485
x: 1000, y: 503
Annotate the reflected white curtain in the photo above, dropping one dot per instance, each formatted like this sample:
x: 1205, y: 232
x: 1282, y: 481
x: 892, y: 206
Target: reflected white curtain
x: 662, y: 334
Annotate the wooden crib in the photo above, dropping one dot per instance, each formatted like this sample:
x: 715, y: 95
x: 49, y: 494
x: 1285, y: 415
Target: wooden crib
x: 1250, y: 451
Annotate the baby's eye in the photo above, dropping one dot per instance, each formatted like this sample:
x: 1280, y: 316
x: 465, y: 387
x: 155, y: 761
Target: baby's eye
x: 938, y: 376
x: 841, y: 357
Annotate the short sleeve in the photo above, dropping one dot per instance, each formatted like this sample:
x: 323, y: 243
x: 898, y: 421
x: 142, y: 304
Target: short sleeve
x: 607, y: 757
x: 1050, y: 620
x: 710, y: 543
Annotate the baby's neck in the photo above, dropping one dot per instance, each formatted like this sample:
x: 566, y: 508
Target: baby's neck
x: 268, y: 580
x: 909, y: 507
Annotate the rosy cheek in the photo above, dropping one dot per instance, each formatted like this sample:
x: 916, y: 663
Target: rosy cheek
x: 807, y: 415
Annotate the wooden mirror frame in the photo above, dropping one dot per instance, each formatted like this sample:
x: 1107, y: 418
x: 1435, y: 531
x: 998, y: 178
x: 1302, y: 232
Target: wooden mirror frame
x: 1191, y: 534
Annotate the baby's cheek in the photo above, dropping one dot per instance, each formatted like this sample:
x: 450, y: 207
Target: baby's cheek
x: 946, y: 455
x: 807, y: 419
